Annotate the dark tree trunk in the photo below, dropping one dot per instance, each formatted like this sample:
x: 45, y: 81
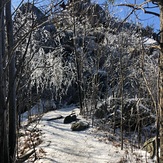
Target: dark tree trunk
x: 161, y: 82
x: 3, y: 126
x: 78, y: 66
x: 12, y: 90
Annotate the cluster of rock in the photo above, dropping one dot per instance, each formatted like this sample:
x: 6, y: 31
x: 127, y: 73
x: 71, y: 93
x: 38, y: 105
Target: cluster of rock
x: 77, y: 125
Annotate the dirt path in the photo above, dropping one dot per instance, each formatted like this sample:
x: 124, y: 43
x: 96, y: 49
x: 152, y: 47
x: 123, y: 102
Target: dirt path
x: 65, y: 146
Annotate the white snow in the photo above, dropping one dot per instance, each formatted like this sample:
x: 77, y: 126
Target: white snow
x: 61, y: 145
x: 149, y: 41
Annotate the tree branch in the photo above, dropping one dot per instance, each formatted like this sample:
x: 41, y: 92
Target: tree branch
x: 125, y: 19
x: 24, y: 157
x: 140, y: 7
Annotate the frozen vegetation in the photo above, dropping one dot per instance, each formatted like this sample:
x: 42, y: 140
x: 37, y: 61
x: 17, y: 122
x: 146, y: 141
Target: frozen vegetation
x: 107, y: 69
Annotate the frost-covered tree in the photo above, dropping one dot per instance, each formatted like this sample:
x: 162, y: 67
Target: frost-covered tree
x: 146, y: 6
x: 45, y: 65
x: 82, y: 51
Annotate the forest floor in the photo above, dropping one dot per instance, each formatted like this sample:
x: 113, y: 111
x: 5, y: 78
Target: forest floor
x: 59, y: 144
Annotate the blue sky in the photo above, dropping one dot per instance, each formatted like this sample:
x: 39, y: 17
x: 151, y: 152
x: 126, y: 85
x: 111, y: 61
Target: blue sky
x: 145, y: 19
x: 122, y: 12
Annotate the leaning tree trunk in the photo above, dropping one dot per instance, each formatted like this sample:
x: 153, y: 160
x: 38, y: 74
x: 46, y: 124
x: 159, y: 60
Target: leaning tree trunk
x: 12, y: 88
x: 3, y: 129
x: 161, y: 81
x: 78, y: 64
x: 122, y: 97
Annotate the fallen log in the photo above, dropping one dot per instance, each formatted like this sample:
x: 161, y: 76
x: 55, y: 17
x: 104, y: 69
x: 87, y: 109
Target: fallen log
x: 55, y: 118
x: 25, y: 157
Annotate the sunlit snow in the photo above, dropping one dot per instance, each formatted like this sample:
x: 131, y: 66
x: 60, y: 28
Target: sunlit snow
x: 61, y: 145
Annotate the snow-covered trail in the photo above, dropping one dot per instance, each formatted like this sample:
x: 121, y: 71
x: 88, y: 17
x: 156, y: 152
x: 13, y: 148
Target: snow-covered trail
x: 65, y: 146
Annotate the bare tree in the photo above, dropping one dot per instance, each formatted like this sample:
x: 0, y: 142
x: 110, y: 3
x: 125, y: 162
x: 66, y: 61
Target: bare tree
x: 12, y: 86
x: 3, y: 109
x: 146, y: 6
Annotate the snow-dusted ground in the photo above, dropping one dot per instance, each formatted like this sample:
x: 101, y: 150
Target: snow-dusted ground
x: 61, y: 145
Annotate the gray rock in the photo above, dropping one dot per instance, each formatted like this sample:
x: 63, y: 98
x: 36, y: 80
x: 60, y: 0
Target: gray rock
x: 79, y: 125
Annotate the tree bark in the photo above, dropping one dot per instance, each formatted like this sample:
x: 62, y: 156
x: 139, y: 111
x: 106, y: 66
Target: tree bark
x: 3, y: 131
x: 161, y: 81
x: 78, y: 65
x: 12, y: 87
x: 121, y: 95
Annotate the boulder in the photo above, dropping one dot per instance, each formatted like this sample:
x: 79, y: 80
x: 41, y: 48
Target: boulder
x: 79, y: 125
x: 70, y: 118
